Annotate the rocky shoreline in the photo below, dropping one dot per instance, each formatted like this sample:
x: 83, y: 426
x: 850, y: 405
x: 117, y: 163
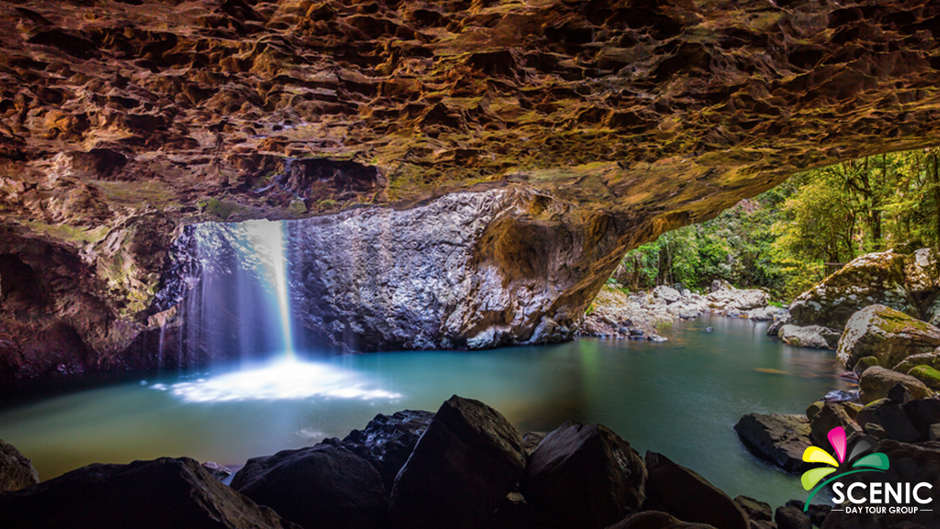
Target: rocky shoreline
x: 464, y: 466
x: 619, y: 315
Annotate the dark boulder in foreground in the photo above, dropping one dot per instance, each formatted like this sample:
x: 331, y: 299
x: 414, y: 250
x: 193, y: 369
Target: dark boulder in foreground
x: 461, y: 470
x: 755, y: 510
x: 789, y: 517
x: 157, y: 494
x: 584, y: 476
x: 679, y: 491
x: 321, y: 486
x: 656, y: 520
x: 388, y: 440
x: 16, y: 471
x: 778, y: 438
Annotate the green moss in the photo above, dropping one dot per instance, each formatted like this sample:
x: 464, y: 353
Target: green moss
x: 326, y: 203
x: 65, y: 232
x: 222, y: 209
x: 895, y: 321
x: 926, y: 374
x: 297, y: 207
x: 865, y: 362
x: 590, y: 310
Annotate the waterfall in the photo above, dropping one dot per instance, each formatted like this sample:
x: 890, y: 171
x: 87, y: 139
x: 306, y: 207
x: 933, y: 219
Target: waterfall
x: 237, y: 305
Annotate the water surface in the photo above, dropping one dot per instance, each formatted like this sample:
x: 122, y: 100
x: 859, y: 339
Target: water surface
x: 680, y: 398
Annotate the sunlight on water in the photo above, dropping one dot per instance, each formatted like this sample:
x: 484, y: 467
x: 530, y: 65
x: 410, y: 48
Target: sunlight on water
x: 267, y: 239
x: 282, y: 380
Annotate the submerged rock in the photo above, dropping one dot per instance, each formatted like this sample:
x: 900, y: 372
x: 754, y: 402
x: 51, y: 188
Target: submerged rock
x: 16, y: 471
x: 887, y: 334
x: 321, y: 485
x: 154, y: 494
x: 461, y: 469
x: 780, y: 439
x: 680, y: 491
x: 584, y: 476
x: 388, y: 440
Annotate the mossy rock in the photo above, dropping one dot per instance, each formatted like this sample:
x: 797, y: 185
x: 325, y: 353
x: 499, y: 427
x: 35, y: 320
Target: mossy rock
x: 864, y: 363
x: 928, y: 375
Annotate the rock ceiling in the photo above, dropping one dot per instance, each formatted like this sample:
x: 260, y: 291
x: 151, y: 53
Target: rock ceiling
x: 120, y: 120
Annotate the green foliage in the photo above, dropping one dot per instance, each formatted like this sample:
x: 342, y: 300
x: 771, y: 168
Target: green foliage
x: 790, y: 237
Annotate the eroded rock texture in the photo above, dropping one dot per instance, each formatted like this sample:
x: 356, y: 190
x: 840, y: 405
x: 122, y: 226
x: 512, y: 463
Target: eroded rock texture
x: 618, y: 119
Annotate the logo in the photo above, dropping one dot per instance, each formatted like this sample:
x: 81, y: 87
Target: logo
x: 860, y: 497
x: 873, y: 462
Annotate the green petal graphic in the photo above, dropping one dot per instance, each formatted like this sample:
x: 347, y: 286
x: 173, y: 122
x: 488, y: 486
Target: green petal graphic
x: 811, y: 477
x: 874, y: 460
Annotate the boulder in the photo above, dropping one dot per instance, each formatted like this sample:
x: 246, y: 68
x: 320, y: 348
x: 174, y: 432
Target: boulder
x: 584, y: 476
x: 817, y: 512
x: 890, y: 416
x: 778, y: 438
x: 655, y: 520
x: 876, y: 382
x: 733, y: 299
x: 321, y: 485
x: 768, y: 313
x: 679, y: 491
x: 153, y: 494
x: 461, y: 469
x: 923, y: 413
x: 928, y: 375
x: 868, y: 279
x: 814, y: 336
x: 921, y: 359
x: 531, y: 440
x: 829, y: 416
x: 388, y: 440
x: 864, y: 363
x: 667, y: 294
x: 774, y: 328
x: 887, y: 334
x: 789, y: 517
x: 922, y: 273
x: 16, y: 471
x: 755, y: 509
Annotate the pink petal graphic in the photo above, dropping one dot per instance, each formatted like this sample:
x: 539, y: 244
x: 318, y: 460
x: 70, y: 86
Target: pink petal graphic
x: 837, y: 440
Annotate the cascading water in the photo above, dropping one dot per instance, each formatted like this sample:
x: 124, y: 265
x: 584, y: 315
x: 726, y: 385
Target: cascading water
x: 236, y: 305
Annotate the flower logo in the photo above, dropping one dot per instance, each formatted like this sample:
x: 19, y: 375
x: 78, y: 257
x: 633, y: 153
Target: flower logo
x: 873, y: 462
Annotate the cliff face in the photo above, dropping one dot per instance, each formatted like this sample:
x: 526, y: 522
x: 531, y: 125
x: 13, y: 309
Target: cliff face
x: 590, y: 127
